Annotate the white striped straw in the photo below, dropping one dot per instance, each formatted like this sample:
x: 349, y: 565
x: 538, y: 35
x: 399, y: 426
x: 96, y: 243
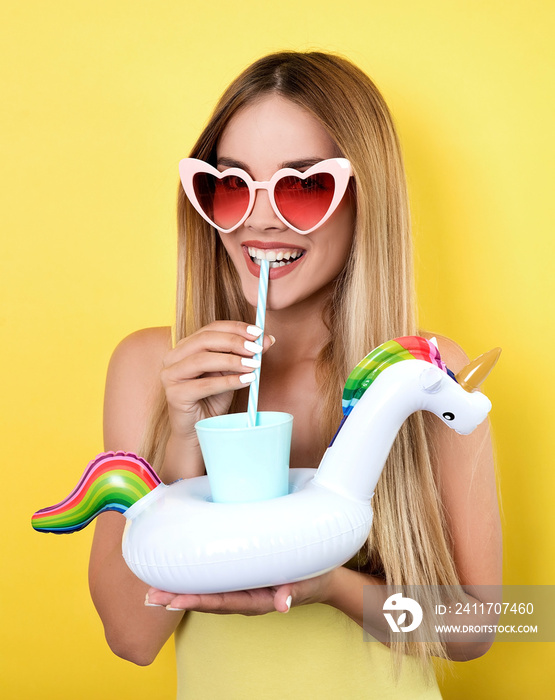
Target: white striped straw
x: 260, y: 317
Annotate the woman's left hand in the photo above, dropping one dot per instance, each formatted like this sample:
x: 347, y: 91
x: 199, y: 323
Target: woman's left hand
x: 257, y: 601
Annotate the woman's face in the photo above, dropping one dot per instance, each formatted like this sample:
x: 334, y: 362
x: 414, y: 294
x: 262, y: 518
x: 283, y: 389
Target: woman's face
x: 262, y: 138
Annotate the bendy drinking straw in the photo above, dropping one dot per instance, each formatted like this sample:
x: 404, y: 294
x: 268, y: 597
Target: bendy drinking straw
x: 260, y: 317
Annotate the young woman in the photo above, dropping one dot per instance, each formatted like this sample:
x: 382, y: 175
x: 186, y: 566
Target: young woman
x: 344, y: 288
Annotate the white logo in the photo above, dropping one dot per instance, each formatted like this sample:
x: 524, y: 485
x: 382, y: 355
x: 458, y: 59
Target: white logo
x: 400, y: 604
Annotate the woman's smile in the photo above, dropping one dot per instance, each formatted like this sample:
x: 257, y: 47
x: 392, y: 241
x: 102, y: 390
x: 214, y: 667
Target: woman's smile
x: 283, y: 257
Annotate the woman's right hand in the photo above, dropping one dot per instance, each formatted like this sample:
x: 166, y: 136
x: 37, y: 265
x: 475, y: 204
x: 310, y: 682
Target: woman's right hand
x: 203, y: 370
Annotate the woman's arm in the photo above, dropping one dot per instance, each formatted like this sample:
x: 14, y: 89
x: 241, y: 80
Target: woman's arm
x: 465, y: 473
x: 198, y: 377
x: 133, y: 631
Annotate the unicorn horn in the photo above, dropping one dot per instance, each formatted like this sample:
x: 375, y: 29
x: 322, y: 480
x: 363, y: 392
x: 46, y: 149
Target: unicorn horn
x: 112, y: 481
x: 475, y: 372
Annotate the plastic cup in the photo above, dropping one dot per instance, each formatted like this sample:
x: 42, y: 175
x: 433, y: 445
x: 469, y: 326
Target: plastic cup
x: 246, y: 464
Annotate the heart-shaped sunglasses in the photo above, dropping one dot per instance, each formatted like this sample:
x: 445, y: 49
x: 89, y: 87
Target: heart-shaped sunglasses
x: 302, y: 201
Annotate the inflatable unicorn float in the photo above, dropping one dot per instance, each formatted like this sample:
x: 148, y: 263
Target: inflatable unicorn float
x: 177, y: 539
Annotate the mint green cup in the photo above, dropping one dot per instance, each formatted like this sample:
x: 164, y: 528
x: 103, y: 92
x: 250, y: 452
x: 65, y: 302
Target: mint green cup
x: 246, y: 464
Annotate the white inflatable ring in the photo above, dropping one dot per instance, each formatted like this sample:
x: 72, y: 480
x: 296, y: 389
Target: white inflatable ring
x: 178, y: 540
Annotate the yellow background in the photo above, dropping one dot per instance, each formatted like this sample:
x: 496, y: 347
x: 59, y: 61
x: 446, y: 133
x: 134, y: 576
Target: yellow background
x: 100, y: 100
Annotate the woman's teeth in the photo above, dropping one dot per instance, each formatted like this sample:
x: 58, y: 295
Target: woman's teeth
x: 277, y: 258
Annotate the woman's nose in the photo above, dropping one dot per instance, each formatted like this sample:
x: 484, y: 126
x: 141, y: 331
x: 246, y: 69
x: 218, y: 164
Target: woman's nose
x: 262, y: 216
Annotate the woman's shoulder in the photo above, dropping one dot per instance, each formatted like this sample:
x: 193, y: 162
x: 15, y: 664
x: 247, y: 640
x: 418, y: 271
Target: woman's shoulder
x: 144, y: 347
x: 138, y: 358
x: 451, y: 353
x: 133, y: 385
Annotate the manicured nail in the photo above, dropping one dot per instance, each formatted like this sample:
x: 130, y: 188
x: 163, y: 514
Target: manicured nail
x: 255, y: 331
x: 288, y: 603
x: 252, y: 347
x: 272, y: 339
x: 151, y: 605
x: 168, y: 607
x: 247, y: 378
x: 250, y: 362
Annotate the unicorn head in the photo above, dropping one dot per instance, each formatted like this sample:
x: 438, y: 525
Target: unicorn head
x: 396, y: 379
x: 464, y: 410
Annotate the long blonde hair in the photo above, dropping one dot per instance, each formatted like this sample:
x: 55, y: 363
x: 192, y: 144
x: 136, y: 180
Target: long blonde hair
x: 372, y: 302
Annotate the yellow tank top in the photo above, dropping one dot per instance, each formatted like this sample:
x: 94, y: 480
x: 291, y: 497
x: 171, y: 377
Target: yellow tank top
x: 314, y: 651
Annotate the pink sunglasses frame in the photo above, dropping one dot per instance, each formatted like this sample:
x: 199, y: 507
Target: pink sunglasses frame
x: 339, y: 168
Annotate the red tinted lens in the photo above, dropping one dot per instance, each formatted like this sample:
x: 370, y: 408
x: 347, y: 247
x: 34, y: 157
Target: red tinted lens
x: 304, y: 202
x: 223, y: 200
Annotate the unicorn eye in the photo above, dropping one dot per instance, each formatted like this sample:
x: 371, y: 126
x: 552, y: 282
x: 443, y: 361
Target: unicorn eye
x: 449, y: 416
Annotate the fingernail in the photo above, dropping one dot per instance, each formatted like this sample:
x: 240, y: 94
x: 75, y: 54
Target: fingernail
x: 252, y: 347
x: 250, y: 362
x: 168, y: 607
x: 288, y: 603
x: 247, y: 378
x: 272, y: 339
x: 151, y: 605
x: 254, y: 331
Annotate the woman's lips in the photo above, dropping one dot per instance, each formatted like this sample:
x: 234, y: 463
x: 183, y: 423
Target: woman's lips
x: 275, y: 272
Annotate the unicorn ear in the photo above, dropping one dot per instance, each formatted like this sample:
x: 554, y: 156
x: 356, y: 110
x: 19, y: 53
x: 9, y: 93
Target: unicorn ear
x: 431, y: 379
x: 433, y: 341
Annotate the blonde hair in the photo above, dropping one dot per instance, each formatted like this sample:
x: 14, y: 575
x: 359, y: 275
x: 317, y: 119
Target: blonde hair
x: 372, y: 302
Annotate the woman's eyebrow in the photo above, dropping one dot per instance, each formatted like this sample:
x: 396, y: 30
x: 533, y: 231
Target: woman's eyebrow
x: 232, y: 163
x: 298, y: 164
x: 301, y: 163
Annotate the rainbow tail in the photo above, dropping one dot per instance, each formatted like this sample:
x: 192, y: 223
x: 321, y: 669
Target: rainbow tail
x: 112, y: 481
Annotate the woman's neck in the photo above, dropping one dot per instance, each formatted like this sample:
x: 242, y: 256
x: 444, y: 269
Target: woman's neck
x: 299, y: 330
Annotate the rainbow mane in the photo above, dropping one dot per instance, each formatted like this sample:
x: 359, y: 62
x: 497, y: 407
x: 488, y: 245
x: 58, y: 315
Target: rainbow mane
x: 112, y: 481
x: 364, y: 374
